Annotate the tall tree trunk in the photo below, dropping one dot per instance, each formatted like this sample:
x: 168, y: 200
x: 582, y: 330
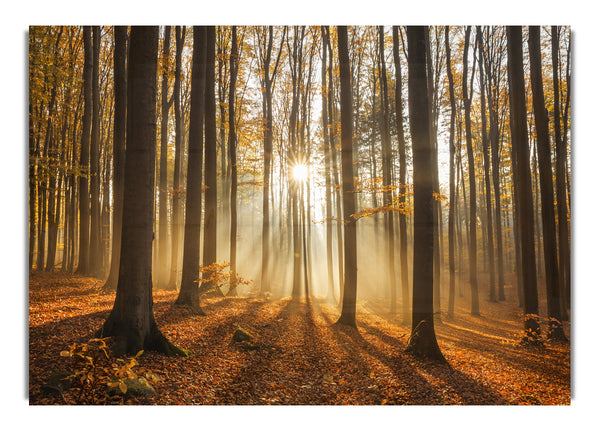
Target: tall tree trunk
x: 209, y: 255
x: 232, y: 144
x: 163, y: 225
x: 555, y: 330
x: 402, y: 178
x: 486, y: 167
x: 422, y: 341
x: 176, y: 202
x: 95, y: 225
x: 327, y: 156
x: 387, y: 176
x: 492, y: 95
x: 119, y: 128
x: 561, y: 167
x: 451, y: 162
x: 131, y: 320
x: 189, y: 294
x: 84, y: 161
x: 518, y: 111
x: 472, y: 186
x: 348, y: 315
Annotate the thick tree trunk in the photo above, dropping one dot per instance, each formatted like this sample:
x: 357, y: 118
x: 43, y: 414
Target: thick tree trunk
x: 555, y: 330
x: 348, y: 315
x: 189, y: 294
x: 422, y: 340
x: 131, y: 320
x: 524, y: 198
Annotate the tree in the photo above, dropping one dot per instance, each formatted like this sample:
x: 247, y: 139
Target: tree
x: 131, y: 321
x: 452, y: 163
x: 165, y: 105
x: 232, y: 143
x: 402, y: 176
x: 561, y: 175
x: 176, y: 201
x: 486, y: 163
x: 84, y: 198
x: 189, y: 293
x: 387, y: 175
x: 268, y: 75
x: 518, y: 112
x: 209, y: 255
x: 555, y: 330
x: 348, y: 315
x: 120, y: 117
x: 422, y: 340
x: 95, y: 262
x: 467, y: 95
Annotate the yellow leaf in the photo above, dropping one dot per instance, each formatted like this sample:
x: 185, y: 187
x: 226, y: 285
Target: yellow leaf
x: 123, y: 387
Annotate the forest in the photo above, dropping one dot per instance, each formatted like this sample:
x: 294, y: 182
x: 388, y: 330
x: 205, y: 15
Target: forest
x: 299, y: 215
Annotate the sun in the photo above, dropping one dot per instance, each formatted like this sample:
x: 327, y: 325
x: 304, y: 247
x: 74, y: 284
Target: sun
x: 300, y: 172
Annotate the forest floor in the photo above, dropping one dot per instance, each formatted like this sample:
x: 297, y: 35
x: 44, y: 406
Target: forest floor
x: 299, y: 357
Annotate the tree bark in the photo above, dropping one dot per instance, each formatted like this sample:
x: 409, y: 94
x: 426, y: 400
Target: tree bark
x: 163, y: 225
x: 451, y: 162
x: 232, y: 144
x: 518, y: 111
x: 189, y: 294
x: 472, y: 186
x: 348, y: 315
x: 422, y: 341
x: 486, y: 167
x: 387, y: 176
x: 555, y: 330
x: 561, y: 167
x: 119, y: 128
x: 84, y: 161
x: 176, y: 203
x: 95, y: 263
x: 131, y: 320
x: 209, y: 255
x: 402, y: 177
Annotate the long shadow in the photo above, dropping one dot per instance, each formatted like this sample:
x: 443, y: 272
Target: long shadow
x: 466, y: 388
x: 531, y: 358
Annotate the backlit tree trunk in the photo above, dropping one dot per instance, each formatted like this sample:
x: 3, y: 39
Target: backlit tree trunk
x: 518, y: 112
x: 555, y: 330
x: 348, y: 316
x: 402, y: 178
x: 84, y: 161
x: 163, y: 265
x: 232, y: 144
x: 209, y: 255
x: 189, y: 294
x: 422, y: 341
x: 472, y: 186
x: 131, y: 321
x: 120, y: 117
